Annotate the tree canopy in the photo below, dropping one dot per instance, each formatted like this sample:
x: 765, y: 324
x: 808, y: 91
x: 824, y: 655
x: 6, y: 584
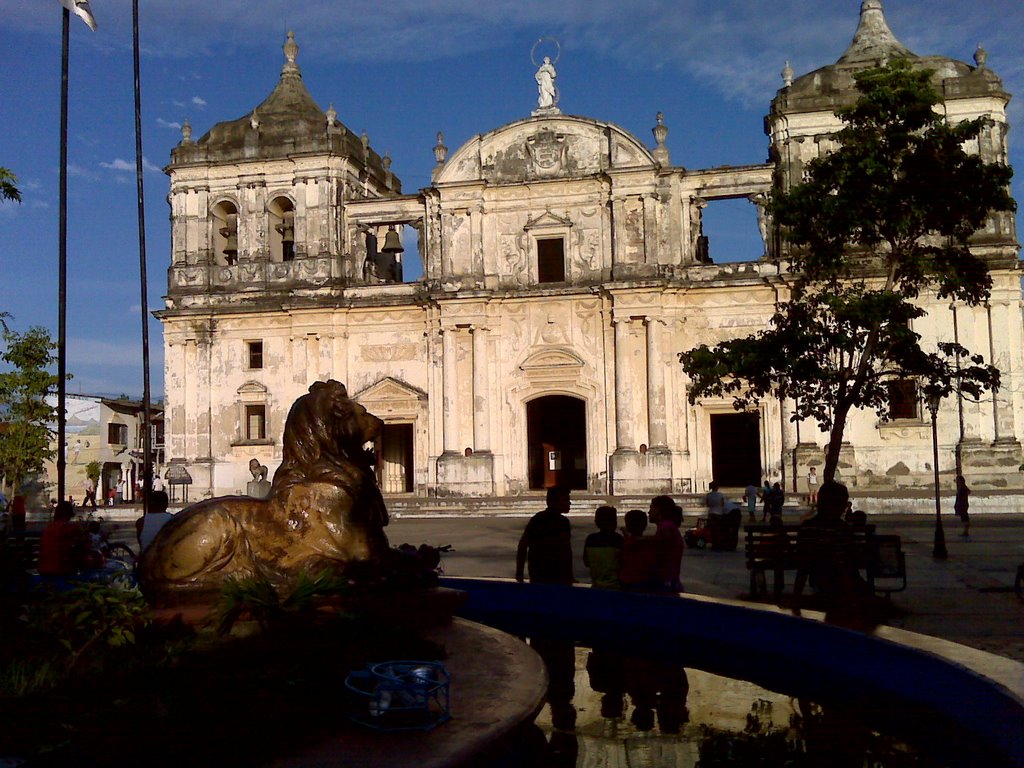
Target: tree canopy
x: 25, y: 415
x: 8, y: 186
x: 886, y: 216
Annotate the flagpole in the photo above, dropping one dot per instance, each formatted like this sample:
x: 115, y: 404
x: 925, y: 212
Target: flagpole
x: 62, y: 270
x: 147, y: 460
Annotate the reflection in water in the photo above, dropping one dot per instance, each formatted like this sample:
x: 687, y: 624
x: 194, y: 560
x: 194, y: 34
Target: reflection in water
x: 607, y: 711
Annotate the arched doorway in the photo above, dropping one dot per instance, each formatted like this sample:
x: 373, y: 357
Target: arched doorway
x: 556, y: 436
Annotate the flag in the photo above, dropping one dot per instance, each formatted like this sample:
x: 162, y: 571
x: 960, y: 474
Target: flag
x: 80, y: 8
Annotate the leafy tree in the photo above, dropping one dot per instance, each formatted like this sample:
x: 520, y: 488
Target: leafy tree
x: 885, y: 217
x: 8, y: 190
x: 24, y: 412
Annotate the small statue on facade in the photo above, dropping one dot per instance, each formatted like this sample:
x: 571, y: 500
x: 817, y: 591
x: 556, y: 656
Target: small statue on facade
x: 259, y: 486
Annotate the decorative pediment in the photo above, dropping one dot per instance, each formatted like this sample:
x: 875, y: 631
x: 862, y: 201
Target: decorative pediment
x: 547, y: 219
x: 551, y: 360
x: 252, y: 388
x: 548, y: 147
x: 389, y: 390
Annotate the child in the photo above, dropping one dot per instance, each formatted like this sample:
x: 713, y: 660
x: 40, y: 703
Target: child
x: 668, y: 518
x: 639, y: 570
x: 602, y: 551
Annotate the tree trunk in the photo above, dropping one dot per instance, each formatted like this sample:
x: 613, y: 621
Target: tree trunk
x: 835, y: 443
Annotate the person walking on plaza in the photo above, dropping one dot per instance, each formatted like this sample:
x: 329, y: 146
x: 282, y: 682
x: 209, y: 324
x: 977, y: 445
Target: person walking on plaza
x: 962, y: 504
x: 546, y: 544
x: 90, y: 493
x: 602, y: 551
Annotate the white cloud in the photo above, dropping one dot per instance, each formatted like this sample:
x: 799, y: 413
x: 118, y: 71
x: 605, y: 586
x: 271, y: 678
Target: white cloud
x: 119, y: 165
x: 177, y: 103
x: 78, y: 171
x: 168, y: 124
x: 199, y: 101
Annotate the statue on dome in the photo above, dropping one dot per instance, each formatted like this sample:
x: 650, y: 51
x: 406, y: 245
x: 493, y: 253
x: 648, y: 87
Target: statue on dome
x: 545, y: 77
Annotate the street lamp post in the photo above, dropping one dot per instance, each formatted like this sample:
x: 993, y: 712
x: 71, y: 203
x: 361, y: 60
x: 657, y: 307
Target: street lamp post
x: 939, y: 551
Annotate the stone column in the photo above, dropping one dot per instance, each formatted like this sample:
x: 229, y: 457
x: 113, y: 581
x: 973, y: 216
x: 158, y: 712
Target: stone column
x: 657, y: 430
x: 481, y: 380
x: 968, y: 336
x: 339, y: 362
x: 650, y: 207
x: 176, y: 379
x: 999, y: 324
x: 449, y: 385
x: 313, y: 372
x: 190, y: 405
x: 476, y: 239
x: 625, y: 439
x: 204, y: 349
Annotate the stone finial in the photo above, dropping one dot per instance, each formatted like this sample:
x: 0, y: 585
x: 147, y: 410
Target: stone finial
x: 365, y: 139
x: 660, y: 132
x: 787, y: 75
x: 873, y: 41
x: 254, y: 121
x: 980, y: 56
x: 386, y: 165
x: 440, y: 150
x: 186, y: 132
x: 332, y: 116
x: 291, y: 51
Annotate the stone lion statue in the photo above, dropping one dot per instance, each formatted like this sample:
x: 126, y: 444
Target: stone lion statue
x: 325, y: 510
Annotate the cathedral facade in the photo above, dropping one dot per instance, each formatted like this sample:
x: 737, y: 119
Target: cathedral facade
x: 564, y: 267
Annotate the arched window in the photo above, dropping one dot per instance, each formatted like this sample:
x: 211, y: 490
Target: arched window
x: 224, y: 217
x: 281, y: 213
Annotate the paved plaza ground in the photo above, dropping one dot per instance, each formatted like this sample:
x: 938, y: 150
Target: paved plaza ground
x: 967, y: 598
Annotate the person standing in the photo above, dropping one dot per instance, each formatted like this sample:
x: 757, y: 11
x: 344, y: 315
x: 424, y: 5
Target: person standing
x: 546, y: 544
x: 750, y: 496
x: 17, y: 513
x: 546, y: 547
x: 714, y: 500
x: 602, y: 551
x: 667, y: 517
x: 63, y: 545
x: 766, y: 500
x: 149, y: 525
x: 962, y: 504
x: 812, y: 486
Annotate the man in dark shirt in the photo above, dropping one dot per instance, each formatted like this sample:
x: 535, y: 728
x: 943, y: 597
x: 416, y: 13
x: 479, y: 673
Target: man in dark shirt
x: 546, y: 543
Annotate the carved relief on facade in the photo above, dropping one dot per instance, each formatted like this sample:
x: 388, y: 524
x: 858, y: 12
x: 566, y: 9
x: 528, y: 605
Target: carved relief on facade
x: 513, y: 257
x: 633, y: 230
x: 383, y: 353
x: 547, y: 152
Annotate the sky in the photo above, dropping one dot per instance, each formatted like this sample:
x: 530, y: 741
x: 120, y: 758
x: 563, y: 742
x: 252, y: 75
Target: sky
x: 401, y: 71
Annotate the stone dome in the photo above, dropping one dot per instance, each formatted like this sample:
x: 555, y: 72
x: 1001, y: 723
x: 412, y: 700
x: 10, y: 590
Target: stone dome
x: 873, y: 45
x: 287, y: 122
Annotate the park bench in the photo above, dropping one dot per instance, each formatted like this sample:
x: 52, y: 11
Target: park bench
x: 774, y: 549
x: 19, y: 557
